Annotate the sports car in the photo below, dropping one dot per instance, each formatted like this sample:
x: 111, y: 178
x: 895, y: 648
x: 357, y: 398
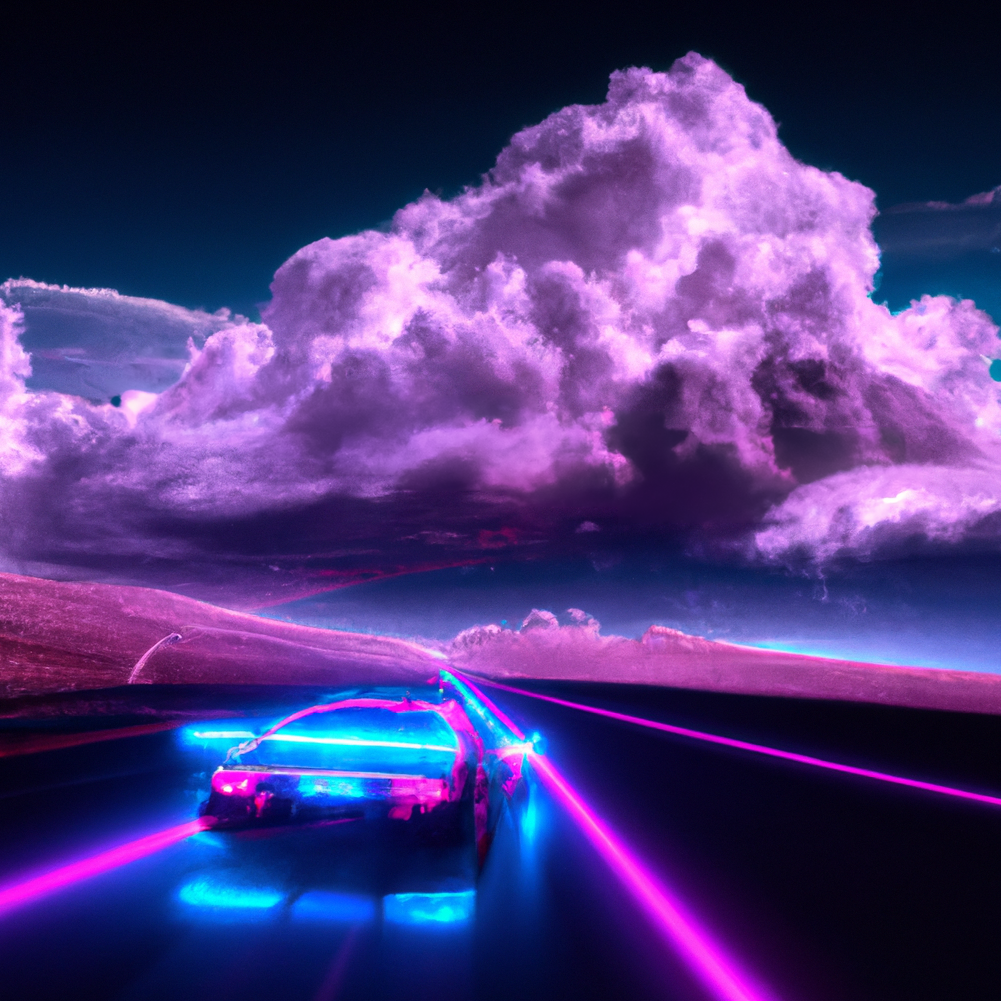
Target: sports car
x: 441, y: 761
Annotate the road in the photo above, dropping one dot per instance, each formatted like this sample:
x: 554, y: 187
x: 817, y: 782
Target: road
x: 826, y: 887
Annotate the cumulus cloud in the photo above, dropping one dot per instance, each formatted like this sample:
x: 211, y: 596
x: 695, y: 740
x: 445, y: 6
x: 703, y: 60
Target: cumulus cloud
x: 868, y: 510
x: 647, y: 317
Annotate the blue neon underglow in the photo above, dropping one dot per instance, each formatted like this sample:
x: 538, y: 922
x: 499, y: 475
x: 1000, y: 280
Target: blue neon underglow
x: 321, y: 905
x: 530, y: 817
x: 207, y: 893
x: 208, y: 838
x: 429, y: 908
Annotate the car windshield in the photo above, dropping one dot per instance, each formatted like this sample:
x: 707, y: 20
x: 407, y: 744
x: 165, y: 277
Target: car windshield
x: 370, y: 739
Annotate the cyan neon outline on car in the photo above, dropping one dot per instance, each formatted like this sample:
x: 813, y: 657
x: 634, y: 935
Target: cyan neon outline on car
x: 377, y: 755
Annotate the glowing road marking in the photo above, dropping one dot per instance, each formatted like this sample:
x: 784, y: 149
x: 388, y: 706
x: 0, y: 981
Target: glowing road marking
x: 67, y: 875
x: 744, y: 745
x: 331, y: 986
x: 60, y: 741
x: 695, y: 945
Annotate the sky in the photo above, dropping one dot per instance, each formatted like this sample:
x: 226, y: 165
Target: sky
x: 526, y: 304
x: 184, y: 154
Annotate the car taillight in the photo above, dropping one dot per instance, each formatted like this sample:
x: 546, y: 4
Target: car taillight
x: 235, y: 783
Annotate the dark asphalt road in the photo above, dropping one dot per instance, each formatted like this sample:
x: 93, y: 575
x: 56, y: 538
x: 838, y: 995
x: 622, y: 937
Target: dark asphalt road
x: 828, y: 887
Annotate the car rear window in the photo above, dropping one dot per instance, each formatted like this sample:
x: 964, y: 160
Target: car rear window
x: 362, y: 739
x: 419, y: 726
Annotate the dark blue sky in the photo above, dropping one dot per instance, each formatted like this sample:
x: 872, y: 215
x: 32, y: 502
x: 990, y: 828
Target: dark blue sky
x: 185, y: 154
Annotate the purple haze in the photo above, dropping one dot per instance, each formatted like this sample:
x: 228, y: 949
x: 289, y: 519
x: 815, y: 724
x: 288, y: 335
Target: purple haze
x: 648, y: 317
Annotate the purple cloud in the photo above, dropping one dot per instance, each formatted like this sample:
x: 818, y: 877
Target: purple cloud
x: 647, y: 317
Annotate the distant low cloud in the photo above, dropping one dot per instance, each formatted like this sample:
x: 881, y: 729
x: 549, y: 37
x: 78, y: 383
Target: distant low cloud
x: 648, y: 317
x: 943, y: 230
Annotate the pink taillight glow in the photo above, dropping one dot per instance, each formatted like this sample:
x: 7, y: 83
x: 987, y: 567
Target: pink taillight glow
x: 230, y: 782
x: 744, y: 745
x: 67, y: 875
x: 696, y: 947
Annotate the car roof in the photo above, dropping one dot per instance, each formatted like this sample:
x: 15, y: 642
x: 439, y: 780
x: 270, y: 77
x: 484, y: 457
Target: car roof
x: 448, y: 711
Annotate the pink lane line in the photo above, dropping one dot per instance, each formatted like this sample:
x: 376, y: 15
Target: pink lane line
x: 744, y: 745
x: 31, y: 889
x: 703, y: 956
x: 60, y: 741
x: 334, y: 979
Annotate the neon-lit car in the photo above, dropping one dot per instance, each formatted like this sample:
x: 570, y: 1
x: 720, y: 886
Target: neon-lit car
x: 380, y: 755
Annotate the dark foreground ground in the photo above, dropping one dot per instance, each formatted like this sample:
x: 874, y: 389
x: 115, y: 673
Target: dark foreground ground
x: 828, y: 887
